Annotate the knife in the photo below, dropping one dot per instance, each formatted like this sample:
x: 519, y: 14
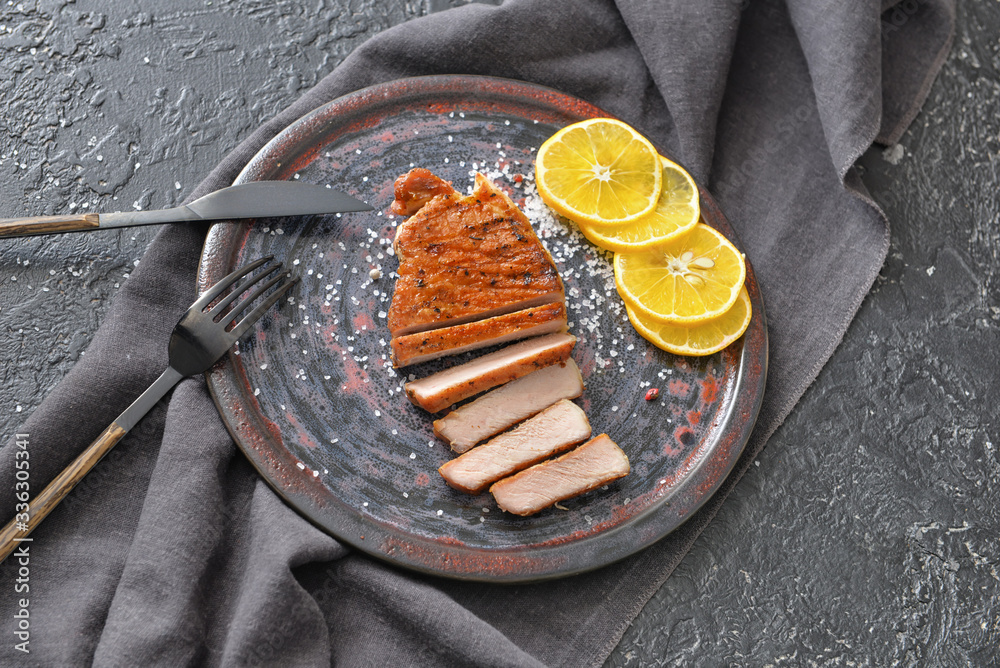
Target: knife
x: 261, y: 199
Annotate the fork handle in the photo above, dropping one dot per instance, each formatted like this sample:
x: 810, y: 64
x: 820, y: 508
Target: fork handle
x: 40, y: 506
x: 26, y: 227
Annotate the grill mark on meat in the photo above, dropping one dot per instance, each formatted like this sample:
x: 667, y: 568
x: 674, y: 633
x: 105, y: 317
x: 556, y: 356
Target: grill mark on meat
x: 472, y: 273
x: 454, y: 247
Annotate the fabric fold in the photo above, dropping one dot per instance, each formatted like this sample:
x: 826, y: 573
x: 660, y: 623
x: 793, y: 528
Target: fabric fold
x: 845, y: 69
x: 404, y: 620
x: 216, y: 501
x: 687, y: 49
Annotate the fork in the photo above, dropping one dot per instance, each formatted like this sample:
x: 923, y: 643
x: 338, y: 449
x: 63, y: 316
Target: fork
x: 200, y: 338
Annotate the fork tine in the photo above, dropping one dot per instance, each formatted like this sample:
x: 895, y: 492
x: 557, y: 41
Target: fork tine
x: 227, y: 281
x: 242, y: 306
x: 254, y: 315
x: 239, y: 290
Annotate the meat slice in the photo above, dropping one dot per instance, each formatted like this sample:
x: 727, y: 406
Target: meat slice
x: 418, y: 187
x: 464, y: 258
x: 556, y: 429
x: 426, y: 346
x: 509, y: 404
x: 440, y: 390
x: 595, y: 463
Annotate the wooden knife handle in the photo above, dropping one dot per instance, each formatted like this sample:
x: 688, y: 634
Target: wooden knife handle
x: 25, y: 227
x: 56, y: 491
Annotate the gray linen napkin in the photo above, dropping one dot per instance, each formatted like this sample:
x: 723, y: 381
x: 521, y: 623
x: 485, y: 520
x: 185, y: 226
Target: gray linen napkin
x: 174, y: 552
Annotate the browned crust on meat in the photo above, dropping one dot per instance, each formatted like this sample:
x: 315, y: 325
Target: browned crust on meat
x: 416, y: 188
x: 465, y: 258
x: 425, y: 346
x: 433, y: 400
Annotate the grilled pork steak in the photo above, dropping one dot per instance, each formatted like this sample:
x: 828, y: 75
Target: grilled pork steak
x: 425, y: 346
x: 554, y: 430
x: 595, y: 463
x: 472, y: 274
x: 508, y: 404
x: 464, y: 258
x: 440, y: 390
x: 416, y: 188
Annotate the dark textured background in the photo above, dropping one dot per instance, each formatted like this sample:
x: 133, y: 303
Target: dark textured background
x: 867, y: 534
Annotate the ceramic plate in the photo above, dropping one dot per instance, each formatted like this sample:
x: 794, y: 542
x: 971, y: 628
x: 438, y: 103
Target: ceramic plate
x: 315, y: 404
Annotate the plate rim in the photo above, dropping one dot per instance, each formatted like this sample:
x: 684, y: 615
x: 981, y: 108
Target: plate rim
x: 412, y: 556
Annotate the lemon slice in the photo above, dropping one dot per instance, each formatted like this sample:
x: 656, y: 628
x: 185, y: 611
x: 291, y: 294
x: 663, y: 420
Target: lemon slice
x: 691, y: 278
x: 676, y: 212
x: 704, y: 338
x: 599, y: 171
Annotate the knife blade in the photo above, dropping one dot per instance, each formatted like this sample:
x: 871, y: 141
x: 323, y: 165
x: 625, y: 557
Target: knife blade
x: 261, y: 199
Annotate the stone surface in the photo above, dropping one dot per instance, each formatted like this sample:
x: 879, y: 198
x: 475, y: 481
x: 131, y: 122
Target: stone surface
x: 867, y: 534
